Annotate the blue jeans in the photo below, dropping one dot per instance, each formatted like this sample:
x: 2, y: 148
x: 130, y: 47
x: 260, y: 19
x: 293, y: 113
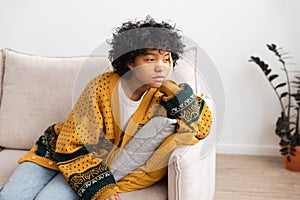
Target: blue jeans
x: 31, y: 181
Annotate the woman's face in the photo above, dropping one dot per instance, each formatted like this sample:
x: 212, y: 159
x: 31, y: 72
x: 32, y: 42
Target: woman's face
x: 151, y: 68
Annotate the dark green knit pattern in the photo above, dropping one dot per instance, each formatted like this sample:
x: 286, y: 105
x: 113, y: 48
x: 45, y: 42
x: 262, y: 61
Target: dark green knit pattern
x: 184, y: 105
x: 61, y: 157
x: 46, y: 144
x: 88, y: 183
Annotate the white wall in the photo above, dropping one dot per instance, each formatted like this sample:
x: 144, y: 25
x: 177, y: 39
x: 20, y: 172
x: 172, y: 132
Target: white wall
x: 229, y: 30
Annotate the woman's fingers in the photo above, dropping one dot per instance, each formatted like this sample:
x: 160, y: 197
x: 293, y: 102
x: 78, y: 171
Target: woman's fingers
x: 113, y: 197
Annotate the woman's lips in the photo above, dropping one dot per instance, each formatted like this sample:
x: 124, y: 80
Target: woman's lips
x: 159, y: 78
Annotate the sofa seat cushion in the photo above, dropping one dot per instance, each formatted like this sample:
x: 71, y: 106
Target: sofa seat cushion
x: 9, y: 161
x: 157, y: 191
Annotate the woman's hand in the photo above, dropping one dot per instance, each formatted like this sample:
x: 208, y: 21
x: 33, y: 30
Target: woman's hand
x: 113, y: 197
x: 170, y: 89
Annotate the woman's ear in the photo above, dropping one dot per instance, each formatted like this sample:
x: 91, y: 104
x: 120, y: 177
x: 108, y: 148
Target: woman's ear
x: 130, y: 66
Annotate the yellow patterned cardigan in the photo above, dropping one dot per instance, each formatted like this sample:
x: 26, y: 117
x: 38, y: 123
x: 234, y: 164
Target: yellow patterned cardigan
x: 84, y: 146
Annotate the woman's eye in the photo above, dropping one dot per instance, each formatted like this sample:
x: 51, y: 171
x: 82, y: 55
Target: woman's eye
x: 167, y: 60
x: 149, y: 59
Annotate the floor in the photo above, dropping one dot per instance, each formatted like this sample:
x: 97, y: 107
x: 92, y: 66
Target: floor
x: 255, y: 178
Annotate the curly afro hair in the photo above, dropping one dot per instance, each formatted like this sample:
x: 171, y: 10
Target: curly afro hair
x: 133, y: 38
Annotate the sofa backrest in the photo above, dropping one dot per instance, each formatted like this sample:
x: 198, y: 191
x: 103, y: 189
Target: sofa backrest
x: 36, y: 92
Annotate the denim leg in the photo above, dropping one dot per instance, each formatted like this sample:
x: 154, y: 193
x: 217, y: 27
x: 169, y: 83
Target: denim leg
x: 26, y: 182
x: 58, y: 189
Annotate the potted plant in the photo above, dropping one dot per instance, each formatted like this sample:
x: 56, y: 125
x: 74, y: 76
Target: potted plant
x: 288, y: 94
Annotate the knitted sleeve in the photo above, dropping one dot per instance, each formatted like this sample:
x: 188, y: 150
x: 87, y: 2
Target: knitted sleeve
x: 76, y: 157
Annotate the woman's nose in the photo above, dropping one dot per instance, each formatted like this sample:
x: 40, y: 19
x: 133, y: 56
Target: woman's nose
x: 161, y: 66
x: 158, y: 67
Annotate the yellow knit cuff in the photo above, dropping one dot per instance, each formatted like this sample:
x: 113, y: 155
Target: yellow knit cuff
x: 170, y: 89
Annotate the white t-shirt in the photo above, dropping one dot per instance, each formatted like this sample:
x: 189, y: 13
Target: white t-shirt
x: 127, y: 106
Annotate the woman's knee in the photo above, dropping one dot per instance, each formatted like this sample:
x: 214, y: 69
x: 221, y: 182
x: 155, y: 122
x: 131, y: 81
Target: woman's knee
x: 26, y: 182
x: 58, y: 189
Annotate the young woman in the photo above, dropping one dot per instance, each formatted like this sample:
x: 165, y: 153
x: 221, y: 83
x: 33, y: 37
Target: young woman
x: 125, y: 124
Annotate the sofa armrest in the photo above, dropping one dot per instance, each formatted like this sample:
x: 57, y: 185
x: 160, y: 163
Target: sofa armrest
x: 191, y: 176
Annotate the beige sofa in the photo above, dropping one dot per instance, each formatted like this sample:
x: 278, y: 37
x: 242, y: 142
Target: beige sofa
x: 37, y: 91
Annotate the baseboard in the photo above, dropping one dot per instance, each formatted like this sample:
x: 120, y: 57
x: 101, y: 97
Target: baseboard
x: 247, y: 150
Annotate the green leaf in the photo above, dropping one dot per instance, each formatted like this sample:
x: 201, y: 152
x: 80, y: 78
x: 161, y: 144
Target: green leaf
x: 283, y: 94
x: 263, y: 66
x: 271, y: 47
x: 284, y: 149
x: 283, y: 143
x: 296, y: 96
x: 280, y: 85
x: 267, y: 72
x: 272, y: 77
